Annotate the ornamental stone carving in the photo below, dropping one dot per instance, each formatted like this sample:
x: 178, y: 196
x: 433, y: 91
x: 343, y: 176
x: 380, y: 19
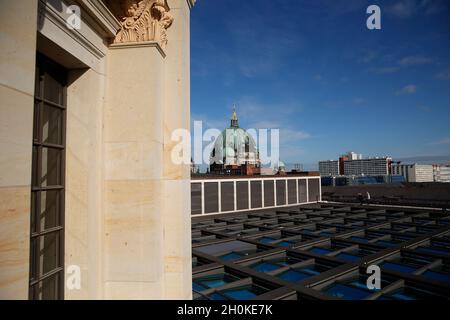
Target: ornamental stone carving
x: 142, y: 20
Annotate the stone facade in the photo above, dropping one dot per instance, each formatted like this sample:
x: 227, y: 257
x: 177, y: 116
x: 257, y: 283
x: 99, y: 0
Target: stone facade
x: 128, y: 89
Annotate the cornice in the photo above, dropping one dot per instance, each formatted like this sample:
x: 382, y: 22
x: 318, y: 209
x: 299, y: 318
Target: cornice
x: 100, y: 12
x: 132, y: 45
x: 55, y: 18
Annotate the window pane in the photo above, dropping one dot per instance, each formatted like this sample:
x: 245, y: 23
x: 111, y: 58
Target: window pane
x: 36, y: 122
x: 256, y: 190
x: 302, y: 196
x: 52, y: 89
x: 34, y: 198
x: 292, y: 191
x: 196, y: 197
x: 51, y: 167
x: 47, y: 247
x: 269, y: 200
x: 34, y: 164
x: 313, y: 188
x: 47, y: 289
x: 37, y: 83
x: 281, y: 192
x: 227, y: 196
x: 50, y: 208
x: 33, y: 270
x: 211, y: 197
x: 242, y: 195
x: 51, y: 130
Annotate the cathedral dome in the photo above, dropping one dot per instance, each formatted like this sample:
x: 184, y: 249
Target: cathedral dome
x: 229, y: 152
x: 234, y: 146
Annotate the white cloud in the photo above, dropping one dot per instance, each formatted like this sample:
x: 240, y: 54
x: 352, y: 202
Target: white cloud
x: 253, y: 52
x: 249, y: 107
x: 433, y: 6
x: 292, y: 135
x: 444, y: 75
x: 409, y: 89
x: 288, y: 134
x: 414, y: 60
x: 210, y: 123
x: 385, y: 70
x: 369, y: 56
x: 444, y: 141
x: 424, y: 108
x: 405, y: 62
x: 291, y: 155
x: 271, y: 116
x: 409, y: 8
x: 403, y: 8
x: 359, y: 101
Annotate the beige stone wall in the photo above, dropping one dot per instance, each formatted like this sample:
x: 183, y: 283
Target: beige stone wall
x: 83, y: 52
x: 176, y: 178
x: 127, y: 215
x: 17, y: 73
x: 84, y: 173
x: 133, y: 145
x: 147, y: 199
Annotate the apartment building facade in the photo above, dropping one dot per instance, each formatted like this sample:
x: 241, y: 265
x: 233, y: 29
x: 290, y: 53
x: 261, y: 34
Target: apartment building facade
x: 329, y: 168
x: 370, y: 166
x: 441, y: 173
x: 414, y: 172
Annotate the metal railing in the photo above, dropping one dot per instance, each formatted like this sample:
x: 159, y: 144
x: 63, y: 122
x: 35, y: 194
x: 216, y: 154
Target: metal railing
x: 235, y: 194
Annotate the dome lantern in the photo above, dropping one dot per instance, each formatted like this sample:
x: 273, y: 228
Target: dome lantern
x: 234, y: 119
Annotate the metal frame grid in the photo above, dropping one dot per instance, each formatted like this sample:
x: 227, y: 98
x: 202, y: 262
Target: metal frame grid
x: 47, y: 227
x: 321, y: 252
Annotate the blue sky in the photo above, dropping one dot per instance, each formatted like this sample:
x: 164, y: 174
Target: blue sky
x: 313, y: 70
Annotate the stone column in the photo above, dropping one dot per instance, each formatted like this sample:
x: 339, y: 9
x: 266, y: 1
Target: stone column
x: 147, y: 251
x: 133, y: 143
x: 18, y: 25
x: 176, y: 178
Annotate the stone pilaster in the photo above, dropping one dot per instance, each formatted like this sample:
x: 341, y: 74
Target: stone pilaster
x: 133, y: 144
x: 176, y: 178
x: 18, y: 24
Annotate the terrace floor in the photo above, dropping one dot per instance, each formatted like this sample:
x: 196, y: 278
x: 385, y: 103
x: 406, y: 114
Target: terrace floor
x: 322, y: 252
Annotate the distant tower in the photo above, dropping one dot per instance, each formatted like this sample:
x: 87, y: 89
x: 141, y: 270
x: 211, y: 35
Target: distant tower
x: 234, y: 119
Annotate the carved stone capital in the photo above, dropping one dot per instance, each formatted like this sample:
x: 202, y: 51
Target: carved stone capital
x: 141, y: 20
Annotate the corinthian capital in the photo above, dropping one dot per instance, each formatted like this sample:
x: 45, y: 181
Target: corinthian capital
x: 142, y: 20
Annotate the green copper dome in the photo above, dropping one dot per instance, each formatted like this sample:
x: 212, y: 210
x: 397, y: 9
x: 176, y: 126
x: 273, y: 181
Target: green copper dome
x: 234, y: 146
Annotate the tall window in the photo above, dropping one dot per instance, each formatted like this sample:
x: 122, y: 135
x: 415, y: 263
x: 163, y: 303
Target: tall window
x: 47, y: 193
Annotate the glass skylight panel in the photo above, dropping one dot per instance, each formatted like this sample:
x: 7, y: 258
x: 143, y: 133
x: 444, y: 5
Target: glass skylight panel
x: 311, y: 250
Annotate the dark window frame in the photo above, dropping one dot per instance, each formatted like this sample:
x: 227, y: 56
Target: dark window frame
x: 47, y: 68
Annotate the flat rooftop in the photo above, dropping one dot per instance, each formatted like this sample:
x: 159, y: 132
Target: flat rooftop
x: 426, y: 194
x: 321, y: 252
